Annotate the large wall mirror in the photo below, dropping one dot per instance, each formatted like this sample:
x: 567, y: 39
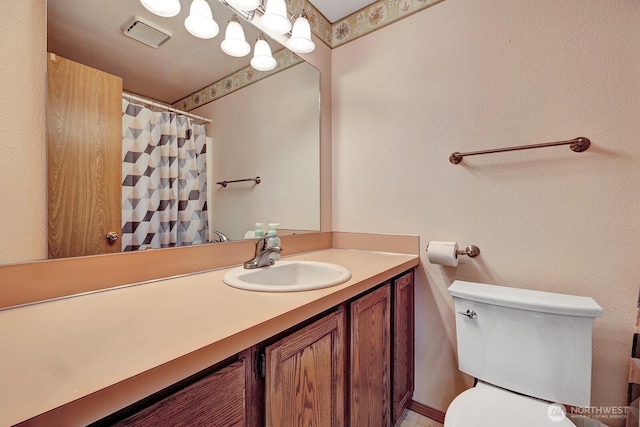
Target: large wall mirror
x: 268, y: 127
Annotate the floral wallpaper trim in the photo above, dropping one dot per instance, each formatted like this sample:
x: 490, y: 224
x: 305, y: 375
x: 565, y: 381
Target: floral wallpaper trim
x: 237, y: 80
x: 374, y: 17
x: 364, y: 21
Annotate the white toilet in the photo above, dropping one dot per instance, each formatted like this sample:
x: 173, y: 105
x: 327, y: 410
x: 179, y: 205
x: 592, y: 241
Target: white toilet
x: 530, y: 352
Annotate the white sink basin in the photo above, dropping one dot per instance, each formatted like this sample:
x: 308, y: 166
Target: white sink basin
x: 287, y: 276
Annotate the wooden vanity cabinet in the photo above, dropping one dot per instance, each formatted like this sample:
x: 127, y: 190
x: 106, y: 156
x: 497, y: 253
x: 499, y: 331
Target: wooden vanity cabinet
x: 403, y: 343
x: 222, y: 398
x: 370, y: 361
x: 381, y: 364
x: 351, y: 366
x: 305, y: 384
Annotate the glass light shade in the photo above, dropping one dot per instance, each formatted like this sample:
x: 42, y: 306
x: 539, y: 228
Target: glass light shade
x: 200, y: 21
x: 166, y: 8
x: 262, y: 59
x: 300, y: 41
x: 234, y: 42
x: 247, y: 5
x: 275, y: 17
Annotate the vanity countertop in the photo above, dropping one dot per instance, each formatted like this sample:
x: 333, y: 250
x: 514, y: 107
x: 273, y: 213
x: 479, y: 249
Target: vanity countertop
x: 103, y: 350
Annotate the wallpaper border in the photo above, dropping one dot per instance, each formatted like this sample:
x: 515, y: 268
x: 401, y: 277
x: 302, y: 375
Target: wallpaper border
x: 235, y: 81
x: 358, y: 24
x: 374, y: 17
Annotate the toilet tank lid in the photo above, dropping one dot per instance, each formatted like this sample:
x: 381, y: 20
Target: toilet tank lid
x: 525, y: 299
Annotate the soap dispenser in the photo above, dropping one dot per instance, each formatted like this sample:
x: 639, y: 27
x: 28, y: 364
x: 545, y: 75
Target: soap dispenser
x: 273, y: 239
x: 259, y: 233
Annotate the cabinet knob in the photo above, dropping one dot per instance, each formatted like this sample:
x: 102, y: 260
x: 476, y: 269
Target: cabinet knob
x: 111, y: 237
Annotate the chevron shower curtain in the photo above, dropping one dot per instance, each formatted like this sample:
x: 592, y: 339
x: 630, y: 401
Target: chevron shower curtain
x: 164, y: 180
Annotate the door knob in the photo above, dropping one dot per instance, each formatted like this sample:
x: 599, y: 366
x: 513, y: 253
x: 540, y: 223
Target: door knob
x: 111, y: 237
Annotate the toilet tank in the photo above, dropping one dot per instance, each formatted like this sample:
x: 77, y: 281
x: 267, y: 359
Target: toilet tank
x: 530, y: 342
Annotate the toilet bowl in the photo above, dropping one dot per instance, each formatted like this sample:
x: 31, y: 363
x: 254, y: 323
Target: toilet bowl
x: 529, y: 350
x: 486, y: 405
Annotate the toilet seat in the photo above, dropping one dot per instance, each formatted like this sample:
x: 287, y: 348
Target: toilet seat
x: 486, y: 405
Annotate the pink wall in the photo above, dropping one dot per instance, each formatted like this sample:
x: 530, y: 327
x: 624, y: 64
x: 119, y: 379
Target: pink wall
x: 461, y: 75
x: 465, y: 75
x: 23, y: 172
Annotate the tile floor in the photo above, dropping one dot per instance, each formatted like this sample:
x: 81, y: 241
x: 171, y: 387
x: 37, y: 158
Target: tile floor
x: 412, y: 419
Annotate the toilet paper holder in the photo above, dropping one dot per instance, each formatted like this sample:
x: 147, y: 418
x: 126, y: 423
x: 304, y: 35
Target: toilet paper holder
x: 471, y: 251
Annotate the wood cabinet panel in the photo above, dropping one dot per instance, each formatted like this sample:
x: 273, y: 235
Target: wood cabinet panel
x: 403, y: 343
x: 370, y: 375
x: 84, y: 158
x: 352, y: 367
x: 218, y: 400
x: 305, y: 376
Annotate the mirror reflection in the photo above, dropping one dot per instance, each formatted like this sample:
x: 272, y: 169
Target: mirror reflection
x: 262, y: 124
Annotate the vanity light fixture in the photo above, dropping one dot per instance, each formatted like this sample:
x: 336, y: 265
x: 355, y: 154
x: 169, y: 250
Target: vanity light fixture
x: 275, y: 17
x: 165, y: 8
x: 200, y: 21
x: 234, y: 43
x: 262, y: 59
x: 300, y: 41
x: 246, y: 5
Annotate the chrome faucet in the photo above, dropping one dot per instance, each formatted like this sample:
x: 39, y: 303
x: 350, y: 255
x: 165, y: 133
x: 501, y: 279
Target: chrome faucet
x: 222, y: 236
x: 262, y: 254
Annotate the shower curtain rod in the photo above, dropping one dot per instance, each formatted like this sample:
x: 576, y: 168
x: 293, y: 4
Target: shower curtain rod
x: 164, y: 106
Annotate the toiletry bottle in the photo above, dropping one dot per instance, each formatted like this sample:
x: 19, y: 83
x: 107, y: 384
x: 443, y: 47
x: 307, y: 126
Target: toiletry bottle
x: 259, y: 231
x: 273, y: 239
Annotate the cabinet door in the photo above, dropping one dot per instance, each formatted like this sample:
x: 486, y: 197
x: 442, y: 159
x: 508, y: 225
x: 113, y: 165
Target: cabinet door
x: 370, y: 375
x: 84, y: 158
x: 217, y: 400
x: 403, y: 342
x: 305, y: 376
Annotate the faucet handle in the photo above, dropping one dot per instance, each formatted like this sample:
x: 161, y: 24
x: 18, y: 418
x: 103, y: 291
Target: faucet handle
x: 261, y: 244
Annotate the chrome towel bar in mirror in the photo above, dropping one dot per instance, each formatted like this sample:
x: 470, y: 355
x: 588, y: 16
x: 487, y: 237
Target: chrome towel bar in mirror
x: 257, y: 180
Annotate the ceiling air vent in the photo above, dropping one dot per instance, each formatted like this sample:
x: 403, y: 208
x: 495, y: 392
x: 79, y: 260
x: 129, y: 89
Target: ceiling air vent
x: 145, y: 32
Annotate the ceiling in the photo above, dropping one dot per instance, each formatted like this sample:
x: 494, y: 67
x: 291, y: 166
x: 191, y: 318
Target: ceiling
x: 335, y: 10
x: 90, y: 32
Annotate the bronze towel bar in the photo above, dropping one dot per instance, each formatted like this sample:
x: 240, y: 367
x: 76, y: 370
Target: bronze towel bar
x: 578, y: 145
x: 224, y: 183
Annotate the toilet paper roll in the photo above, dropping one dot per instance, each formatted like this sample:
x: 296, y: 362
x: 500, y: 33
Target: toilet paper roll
x: 443, y: 253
